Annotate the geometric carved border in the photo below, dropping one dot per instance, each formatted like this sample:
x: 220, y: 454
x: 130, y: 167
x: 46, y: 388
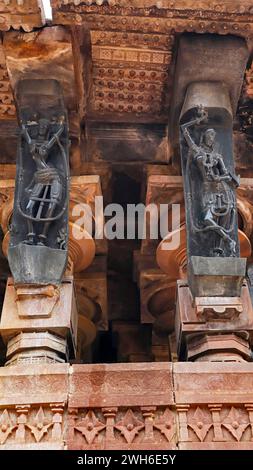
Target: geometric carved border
x: 127, y: 406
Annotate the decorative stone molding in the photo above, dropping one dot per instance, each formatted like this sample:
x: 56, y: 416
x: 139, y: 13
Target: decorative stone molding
x: 240, y: 7
x: 114, y: 428
x: 202, y: 17
x: 127, y: 406
x: 217, y: 423
x: 32, y: 412
x: 31, y: 427
x: 17, y: 14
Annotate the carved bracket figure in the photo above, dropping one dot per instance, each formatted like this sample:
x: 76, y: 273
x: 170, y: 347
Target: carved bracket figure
x: 216, y: 187
x: 39, y: 229
x: 46, y: 188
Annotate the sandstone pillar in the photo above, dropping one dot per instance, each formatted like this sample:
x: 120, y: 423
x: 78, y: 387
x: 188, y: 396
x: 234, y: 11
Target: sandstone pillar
x: 214, y: 311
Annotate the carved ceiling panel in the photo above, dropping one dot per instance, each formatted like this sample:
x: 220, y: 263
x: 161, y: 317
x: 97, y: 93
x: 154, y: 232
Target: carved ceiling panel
x: 132, y: 47
x: 130, y: 73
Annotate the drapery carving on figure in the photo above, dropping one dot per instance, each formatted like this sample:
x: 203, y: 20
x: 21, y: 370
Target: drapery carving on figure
x: 45, y: 191
x: 217, y: 185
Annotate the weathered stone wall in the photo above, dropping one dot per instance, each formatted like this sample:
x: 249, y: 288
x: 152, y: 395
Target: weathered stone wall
x: 127, y: 406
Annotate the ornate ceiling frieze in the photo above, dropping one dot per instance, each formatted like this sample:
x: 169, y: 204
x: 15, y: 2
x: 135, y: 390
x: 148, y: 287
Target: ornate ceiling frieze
x: 225, y: 17
x: 132, y: 46
x: 130, y: 72
x: 231, y: 6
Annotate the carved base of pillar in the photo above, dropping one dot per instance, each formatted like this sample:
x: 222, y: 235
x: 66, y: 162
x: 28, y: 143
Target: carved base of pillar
x: 36, y: 348
x: 218, y: 348
x: 213, y: 328
x: 39, y: 323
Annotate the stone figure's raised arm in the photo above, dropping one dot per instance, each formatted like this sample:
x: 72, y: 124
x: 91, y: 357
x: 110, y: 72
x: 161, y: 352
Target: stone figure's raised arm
x: 26, y: 135
x: 202, y: 116
x: 56, y: 136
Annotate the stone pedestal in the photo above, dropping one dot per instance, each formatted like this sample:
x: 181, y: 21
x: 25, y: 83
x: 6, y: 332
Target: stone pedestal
x: 39, y: 323
x: 213, y: 328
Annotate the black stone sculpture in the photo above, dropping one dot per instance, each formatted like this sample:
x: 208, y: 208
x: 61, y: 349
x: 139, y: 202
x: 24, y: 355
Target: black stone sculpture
x: 207, y: 84
x: 39, y: 230
x: 210, y: 185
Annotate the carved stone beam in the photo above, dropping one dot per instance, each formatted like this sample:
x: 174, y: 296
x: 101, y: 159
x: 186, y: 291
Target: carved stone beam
x: 231, y: 17
x: 52, y: 58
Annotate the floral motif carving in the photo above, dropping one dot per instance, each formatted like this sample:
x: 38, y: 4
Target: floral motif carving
x: 200, y: 422
x: 40, y: 425
x: 215, y: 423
x: 126, y: 74
x: 6, y: 426
x: 166, y: 424
x: 203, y: 16
x: 117, y: 427
x: 129, y: 426
x: 236, y: 422
x: 89, y: 426
x: 26, y: 424
x: 110, y: 427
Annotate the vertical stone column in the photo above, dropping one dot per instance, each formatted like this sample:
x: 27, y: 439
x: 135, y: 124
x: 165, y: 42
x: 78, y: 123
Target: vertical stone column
x: 39, y: 310
x: 214, y: 311
x: 39, y: 321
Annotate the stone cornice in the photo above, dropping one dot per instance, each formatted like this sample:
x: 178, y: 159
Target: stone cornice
x: 17, y: 14
x: 201, y: 16
x: 229, y: 6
